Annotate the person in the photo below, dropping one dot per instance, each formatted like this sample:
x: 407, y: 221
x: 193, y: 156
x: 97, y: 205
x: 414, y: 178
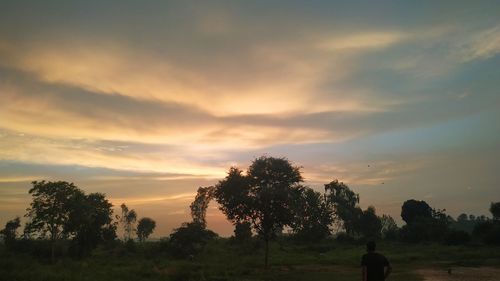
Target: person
x: 375, y: 267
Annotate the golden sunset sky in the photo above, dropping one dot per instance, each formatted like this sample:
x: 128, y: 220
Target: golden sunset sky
x: 146, y: 101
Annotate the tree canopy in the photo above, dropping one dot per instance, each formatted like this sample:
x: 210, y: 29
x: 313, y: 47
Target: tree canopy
x: 263, y: 197
x: 413, y: 209
x: 128, y: 219
x: 345, y: 203
x: 145, y: 227
x: 61, y: 210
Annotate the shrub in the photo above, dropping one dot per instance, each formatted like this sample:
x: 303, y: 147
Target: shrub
x: 457, y: 237
x: 189, y: 239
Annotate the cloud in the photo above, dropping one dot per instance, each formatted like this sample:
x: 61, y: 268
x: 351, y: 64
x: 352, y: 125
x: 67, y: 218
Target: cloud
x: 362, y: 41
x: 116, y: 100
x: 479, y: 45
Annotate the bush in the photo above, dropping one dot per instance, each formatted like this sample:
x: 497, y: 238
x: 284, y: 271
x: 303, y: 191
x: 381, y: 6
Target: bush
x: 189, y: 239
x: 242, y: 232
x: 457, y: 237
x: 488, y: 232
x: 345, y: 238
x: 424, y: 230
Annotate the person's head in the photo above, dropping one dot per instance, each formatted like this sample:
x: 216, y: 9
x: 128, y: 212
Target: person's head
x: 370, y: 246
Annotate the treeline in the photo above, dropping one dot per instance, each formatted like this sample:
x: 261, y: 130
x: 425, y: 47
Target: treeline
x: 265, y: 202
x: 60, y: 211
x: 269, y: 198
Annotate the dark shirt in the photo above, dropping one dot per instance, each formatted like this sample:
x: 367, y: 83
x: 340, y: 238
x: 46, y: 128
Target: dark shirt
x: 375, y: 264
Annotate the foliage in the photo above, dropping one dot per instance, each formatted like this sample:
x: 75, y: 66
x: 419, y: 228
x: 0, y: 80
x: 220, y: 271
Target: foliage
x: 495, y: 210
x: 264, y: 197
x: 219, y: 260
x: 313, y: 215
x: 61, y: 210
x: 128, y: 219
x: 200, y: 204
x: 466, y: 222
x: 423, y: 223
x: 413, y: 209
x: 390, y: 230
x: 457, y: 237
x: 242, y: 231
x: 488, y: 232
x: 50, y: 209
x: 189, y: 239
x: 233, y: 196
x: 370, y: 225
x: 145, y: 227
x: 344, y: 202
x: 9, y: 233
x: 90, y: 221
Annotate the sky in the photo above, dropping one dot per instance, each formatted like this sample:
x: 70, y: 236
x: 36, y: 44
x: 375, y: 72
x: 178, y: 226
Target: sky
x: 145, y: 101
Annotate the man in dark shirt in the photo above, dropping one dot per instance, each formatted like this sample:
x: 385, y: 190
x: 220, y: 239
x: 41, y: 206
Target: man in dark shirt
x: 375, y: 266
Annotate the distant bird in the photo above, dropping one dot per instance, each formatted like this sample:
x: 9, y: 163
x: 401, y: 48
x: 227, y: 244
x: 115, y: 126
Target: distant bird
x: 382, y: 183
x: 368, y: 165
x: 449, y: 271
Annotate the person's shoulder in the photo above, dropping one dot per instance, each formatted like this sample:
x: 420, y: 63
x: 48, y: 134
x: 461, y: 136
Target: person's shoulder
x: 379, y: 254
x: 382, y: 258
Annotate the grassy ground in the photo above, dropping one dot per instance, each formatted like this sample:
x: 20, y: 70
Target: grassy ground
x: 222, y: 260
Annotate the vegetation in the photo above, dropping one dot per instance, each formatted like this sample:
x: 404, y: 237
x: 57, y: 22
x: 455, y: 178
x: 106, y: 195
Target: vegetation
x: 264, y: 197
x: 145, y: 227
x: 299, y: 231
x: 221, y: 259
x: 128, y: 219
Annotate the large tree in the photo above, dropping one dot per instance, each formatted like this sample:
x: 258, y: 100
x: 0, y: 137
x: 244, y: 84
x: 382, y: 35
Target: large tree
x: 370, y: 224
x: 423, y: 223
x: 313, y: 215
x: 389, y: 227
x: 264, y: 197
x: 345, y: 203
x: 50, y: 209
x: 495, y: 210
x: 413, y: 209
x: 90, y: 221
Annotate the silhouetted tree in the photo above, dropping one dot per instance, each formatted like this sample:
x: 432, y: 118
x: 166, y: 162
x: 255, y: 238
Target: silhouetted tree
x: 242, y: 231
x: 9, y: 233
x: 457, y: 237
x: 344, y: 201
x: 145, y: 227
x: 128, y: 220
x: 423, y: 223
x: 489, y: 230
x: 465, y: 223
x: 90, y: 221
x: 263, y: 197
x: 389, y: 227
x: 313, y: 215
x: 413, y: 209
x: 370, y: 224
x: 50, y: 209
x: 200, y: 204
x: 495, y: 210
x: 189, y: 239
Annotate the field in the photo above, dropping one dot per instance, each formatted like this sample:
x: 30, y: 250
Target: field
x: 223, y: 260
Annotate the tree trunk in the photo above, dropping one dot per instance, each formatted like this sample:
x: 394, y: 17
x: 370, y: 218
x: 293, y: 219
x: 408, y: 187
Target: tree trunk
x: 52, y: 256
x: 267, y: 252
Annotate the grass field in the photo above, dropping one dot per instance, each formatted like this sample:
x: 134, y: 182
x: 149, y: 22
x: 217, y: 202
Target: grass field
x: 222, y: 260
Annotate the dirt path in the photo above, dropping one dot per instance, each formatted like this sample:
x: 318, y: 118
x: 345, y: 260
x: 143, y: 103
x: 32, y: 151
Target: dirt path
x: 461, y: 274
